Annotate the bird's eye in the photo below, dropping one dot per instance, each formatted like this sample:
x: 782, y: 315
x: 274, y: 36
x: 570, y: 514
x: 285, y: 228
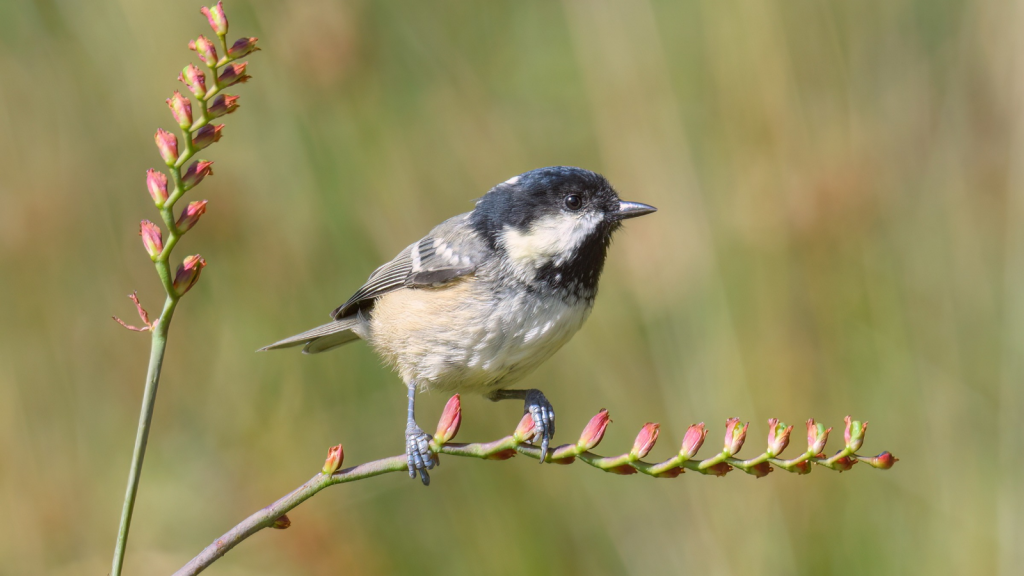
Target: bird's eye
x: 573, y: 202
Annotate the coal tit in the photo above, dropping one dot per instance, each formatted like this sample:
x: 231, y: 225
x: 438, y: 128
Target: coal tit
x: 487, y: 296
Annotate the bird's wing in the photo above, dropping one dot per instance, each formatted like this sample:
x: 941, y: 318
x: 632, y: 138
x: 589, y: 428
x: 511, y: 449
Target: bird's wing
x: 450, y: 251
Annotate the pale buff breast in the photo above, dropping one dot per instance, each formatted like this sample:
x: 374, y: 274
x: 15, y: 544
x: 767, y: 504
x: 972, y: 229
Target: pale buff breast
x: 466, y: 339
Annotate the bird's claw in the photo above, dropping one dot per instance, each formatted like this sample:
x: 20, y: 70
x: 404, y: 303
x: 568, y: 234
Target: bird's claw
x: 417, y: 450
x: 543, y: 415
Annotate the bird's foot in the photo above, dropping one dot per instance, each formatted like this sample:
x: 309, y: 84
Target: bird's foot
x: 417, y: 450
x: 543, y: 414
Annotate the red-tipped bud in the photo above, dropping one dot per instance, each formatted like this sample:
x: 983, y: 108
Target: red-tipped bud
x: 241, y: 47
x: 845, y: 463
x: 644, y: 441
x: 817, y: 436
x: 884, y: 461
x: 335, y: 456
x: 621, y: 470
x: 720, y: 469
x: 233, y: 73
x: 802, y: 467
x: 734, y: 435
x: 157, y: 184
x: 206, y: 135
x: 218, y: 21
x: 194, y: 79
x: 526, y: 429
x: 167, y: 144
x: 693, y: 440
x: 196, y: 172
x: 282, y: 522
x: 152, y: 238
x: 451, y: 418
x: 205, y: 50
x: 188, y: 273
x: 181, y: 108
x: 501, y: 454
x: 190, y: 215
x: 854, y: 434
x: 222, y: 104
x: 594, y: 431
x: 778, y: 436
x: 760, y: 470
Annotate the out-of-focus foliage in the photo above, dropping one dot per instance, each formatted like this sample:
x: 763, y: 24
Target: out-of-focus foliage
x: 841, y: 187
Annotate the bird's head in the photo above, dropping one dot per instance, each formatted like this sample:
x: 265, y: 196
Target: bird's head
x: 555, y: 224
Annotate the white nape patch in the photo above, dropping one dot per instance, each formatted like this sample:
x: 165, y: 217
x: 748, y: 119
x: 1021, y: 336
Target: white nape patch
x: 511, y: 180
x: 551, y: 239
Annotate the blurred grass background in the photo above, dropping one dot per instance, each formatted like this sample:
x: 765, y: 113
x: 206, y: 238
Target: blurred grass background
x: 841, y: 197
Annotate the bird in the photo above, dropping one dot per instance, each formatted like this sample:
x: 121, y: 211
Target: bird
x: 487, y: 296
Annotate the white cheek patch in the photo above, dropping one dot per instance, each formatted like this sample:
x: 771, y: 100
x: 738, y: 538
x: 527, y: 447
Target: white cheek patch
x: 551, y: 239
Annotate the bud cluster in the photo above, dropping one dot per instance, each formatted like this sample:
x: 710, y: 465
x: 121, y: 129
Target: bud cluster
x: 198, y: 133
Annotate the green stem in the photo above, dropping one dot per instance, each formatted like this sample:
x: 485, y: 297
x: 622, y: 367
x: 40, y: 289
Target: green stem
x: 156, y: 360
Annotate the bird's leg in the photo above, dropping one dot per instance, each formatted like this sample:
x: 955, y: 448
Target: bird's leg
x: 538, y: 407
x: 417, y: 442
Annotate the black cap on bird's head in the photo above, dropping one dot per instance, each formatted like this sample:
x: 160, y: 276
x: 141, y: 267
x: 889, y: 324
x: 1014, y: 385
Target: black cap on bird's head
x: 557, y: 221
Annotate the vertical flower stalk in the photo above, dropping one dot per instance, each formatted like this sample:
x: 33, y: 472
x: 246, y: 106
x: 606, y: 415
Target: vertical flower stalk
x: 193, y: 119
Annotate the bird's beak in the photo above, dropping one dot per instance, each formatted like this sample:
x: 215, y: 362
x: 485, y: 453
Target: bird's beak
x: 632, y: 210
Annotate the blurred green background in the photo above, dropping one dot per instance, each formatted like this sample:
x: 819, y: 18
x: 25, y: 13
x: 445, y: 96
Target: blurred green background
x: 841, y: 187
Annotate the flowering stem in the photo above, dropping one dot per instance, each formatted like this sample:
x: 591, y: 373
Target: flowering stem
x: 274, y: 515
x: 156, y: 360
x: 196, y: 136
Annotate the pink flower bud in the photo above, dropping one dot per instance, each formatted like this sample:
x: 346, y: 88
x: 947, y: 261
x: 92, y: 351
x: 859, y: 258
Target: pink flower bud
x: 282, y: 522
x: 194, y: 79
x: 222, y: 104
x: 195, y: 173
x: 188, y: 273
x: 241, y: 47
x: 233, y: 73
x: 734, y: 435
x: 205, y: 50
x: 190, y: 215
x: 644, y: 441
x: 206, y: 135
x: 152, y: 238
x: 778, y: 436
x: 843, y: 464
x: 760, y: 470
x: 720, y: 469
x: 594, y: 431
x: 526, y: 429
x: 802, y: 467
x: 157, y: 184
x: 218, y: 21
x: 854, y: 434
x: 451, y: 418
x: 693, y: 440
x: 335, y: 456
x: 167, y: 143
x: 181, y: 108
x: 817, y: 436
x: 884, y: 461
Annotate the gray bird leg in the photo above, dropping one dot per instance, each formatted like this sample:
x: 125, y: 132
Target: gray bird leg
x: 417, y: 442
x: 538, y: 407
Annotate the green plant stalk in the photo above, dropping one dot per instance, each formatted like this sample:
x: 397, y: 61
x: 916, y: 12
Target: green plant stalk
x: 156, y: 360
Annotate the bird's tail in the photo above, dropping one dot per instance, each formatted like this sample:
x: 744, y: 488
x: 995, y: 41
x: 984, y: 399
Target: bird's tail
x: 321, y: 338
